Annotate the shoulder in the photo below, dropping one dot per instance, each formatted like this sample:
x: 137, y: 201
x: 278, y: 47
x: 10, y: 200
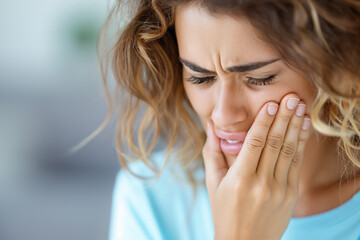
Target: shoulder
x: 140, y: 175
x: 171, y: 189
x: 142, y: 206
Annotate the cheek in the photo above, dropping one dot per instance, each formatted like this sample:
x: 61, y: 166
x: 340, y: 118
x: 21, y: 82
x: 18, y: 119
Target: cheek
x: 309, y: 91
x: 201, y: 100
x: 304, y: 88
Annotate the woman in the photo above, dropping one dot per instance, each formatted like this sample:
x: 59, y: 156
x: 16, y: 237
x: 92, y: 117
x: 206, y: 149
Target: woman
x: 232, y: 87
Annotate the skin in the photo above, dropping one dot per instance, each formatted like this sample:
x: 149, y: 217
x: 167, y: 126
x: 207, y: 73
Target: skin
x: 230, y: 104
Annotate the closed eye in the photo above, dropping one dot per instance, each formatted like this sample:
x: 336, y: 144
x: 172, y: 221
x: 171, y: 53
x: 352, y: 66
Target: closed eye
x: 200, y: 80
x: 261, y: 81
x: 250, y: 80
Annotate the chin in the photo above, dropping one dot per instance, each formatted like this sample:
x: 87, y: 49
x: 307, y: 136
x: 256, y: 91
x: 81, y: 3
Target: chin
x: 230, y: 159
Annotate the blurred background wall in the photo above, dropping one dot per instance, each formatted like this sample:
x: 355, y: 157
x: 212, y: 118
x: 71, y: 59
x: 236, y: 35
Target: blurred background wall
x: 51, y: 98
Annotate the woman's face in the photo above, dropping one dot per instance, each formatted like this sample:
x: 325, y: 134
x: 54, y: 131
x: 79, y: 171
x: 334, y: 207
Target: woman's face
x: 229, y: 73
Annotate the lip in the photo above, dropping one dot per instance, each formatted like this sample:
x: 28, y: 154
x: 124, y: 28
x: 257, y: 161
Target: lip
x: 230, y: 148
x: 233, y: 136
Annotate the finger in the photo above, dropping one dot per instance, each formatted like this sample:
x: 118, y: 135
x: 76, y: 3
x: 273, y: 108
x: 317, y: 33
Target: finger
x: 290, y: 145
x: 247, y: 160
x: 295, y: 166
x: 276, y: 136
x: 214, y: 160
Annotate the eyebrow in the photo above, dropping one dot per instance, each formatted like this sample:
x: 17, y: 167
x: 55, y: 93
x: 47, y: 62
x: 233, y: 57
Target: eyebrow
x: 241, y: 68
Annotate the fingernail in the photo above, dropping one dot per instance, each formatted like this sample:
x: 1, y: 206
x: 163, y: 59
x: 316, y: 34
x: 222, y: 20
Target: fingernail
x: 306, y: 124
x: 292, y: 103
x: 300, y: 110
x: 272, y: 108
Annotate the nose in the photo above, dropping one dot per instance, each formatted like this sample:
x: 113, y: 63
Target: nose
x: 230, y: 108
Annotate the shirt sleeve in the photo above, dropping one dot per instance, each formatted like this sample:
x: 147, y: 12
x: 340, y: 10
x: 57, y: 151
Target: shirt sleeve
x: 132, y: 216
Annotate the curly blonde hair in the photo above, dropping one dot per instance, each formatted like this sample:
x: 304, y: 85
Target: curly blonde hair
x: 320, y: 38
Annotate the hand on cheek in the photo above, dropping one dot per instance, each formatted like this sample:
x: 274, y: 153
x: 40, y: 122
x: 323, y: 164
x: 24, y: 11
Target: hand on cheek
x: 260, y: 189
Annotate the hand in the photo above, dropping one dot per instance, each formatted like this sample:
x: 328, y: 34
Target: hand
x: 255, y: 197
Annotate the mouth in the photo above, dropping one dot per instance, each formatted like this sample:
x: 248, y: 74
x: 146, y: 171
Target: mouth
x: 232, y: 137
x: 231, y: 148
x: 231, y: 142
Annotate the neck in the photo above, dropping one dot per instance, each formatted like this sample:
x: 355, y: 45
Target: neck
x: 322, y: 166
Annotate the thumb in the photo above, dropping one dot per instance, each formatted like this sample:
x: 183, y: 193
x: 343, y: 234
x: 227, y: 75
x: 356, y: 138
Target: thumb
x: 214, y: 160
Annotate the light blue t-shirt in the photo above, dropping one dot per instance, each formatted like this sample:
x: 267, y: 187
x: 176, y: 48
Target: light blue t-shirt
x: 158, y: 210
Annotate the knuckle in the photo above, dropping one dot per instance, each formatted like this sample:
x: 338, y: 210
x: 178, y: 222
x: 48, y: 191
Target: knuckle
x: 296, y: 161
x: 271, y: 191
x: 296, y: 125
x: 285, y: 117
x: 265, y: 122
x: 288, y: 149
x: 264, y: 189
x: 266, y: 196
x: 302, y: 136
x: 237, y: 188
x: 255, y: 143
x: 263, y: 195
x: 275, y: 141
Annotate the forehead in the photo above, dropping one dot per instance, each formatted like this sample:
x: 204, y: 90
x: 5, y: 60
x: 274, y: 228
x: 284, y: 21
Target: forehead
x: 203, y: 36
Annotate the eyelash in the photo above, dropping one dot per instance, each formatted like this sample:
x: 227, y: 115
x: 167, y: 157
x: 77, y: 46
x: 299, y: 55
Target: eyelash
x: 252, y: 81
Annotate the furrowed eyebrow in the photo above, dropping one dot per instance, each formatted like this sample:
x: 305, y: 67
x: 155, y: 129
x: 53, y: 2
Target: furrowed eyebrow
x: 195, y: 67
x: 240, y: 68
x: 250, y: 66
